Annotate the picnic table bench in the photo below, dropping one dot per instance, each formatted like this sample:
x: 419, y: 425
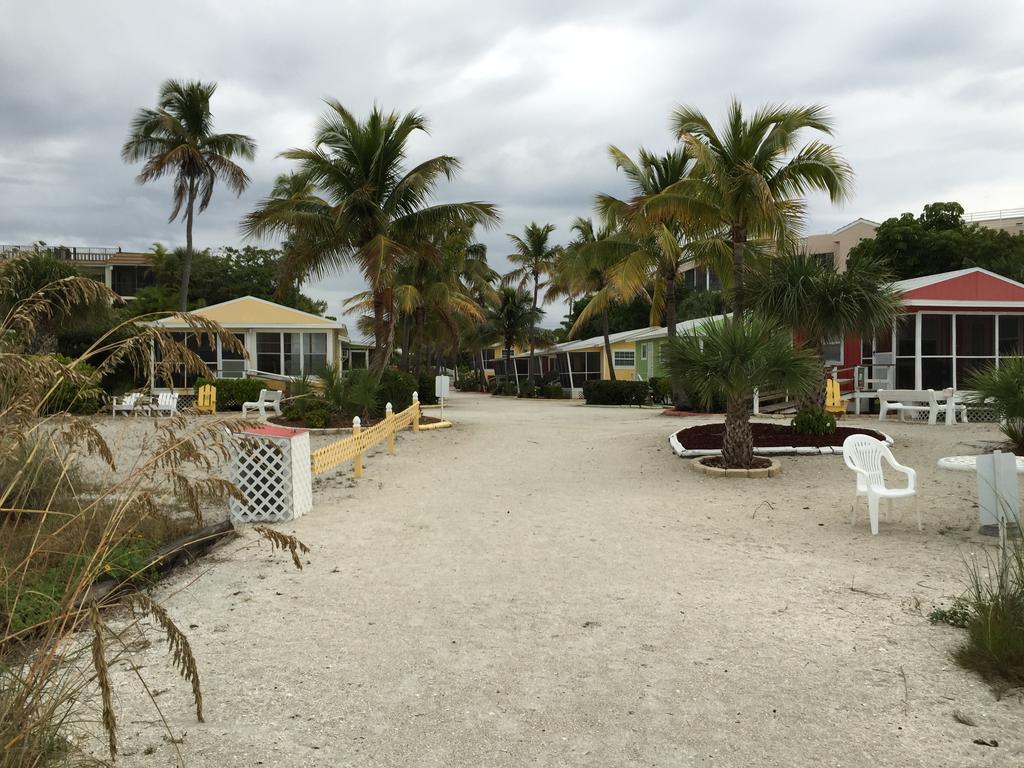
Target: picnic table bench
x: 921, y: 401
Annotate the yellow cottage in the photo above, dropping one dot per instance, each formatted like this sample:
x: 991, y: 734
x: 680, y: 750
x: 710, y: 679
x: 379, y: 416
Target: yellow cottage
x: 280, y: 342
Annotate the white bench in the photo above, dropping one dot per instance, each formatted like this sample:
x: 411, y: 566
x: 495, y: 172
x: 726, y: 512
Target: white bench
x: 920, y: 401
x: 269, y: 398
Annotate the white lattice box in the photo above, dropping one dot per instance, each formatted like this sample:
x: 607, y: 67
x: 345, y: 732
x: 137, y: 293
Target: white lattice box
x: 271, y: 466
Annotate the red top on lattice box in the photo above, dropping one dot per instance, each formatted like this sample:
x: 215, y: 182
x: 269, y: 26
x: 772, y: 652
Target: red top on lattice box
x: 273, y: 431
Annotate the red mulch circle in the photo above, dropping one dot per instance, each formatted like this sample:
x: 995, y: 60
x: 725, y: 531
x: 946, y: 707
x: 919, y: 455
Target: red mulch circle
x: 709, y: 436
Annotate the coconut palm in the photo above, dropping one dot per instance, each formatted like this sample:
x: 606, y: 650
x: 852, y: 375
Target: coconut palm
x: 728, y: 359
x: 534, y: 256
x: 177, y: 139
x: 513, y: 318
x: 368, y: 209
x: 586, y: 267
x: 818, y: 303
x: 750, y: 177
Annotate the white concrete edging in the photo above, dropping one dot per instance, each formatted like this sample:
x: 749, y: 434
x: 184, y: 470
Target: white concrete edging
x: 680, y: 451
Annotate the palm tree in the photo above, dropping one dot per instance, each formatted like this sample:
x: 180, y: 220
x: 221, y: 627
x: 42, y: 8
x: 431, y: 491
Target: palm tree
x: 177, y: 139
x: 585, y: 267
x: 514, y: 319
x: 750, y: 177
x: 818, y: 303
x: 366, y: 209
x: 728, y: 359
x: 535, y: 258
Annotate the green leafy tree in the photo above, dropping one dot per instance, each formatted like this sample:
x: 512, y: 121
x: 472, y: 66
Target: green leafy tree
x: 358, y: 205
x: 818, y: 303
x: 177, y: 139
x: 750, y: 178
x: 939, y: 240
x: 513, y: 318
x: 728, y: 359
x: 534, y: 258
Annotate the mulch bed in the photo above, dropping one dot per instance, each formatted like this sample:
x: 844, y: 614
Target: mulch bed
x: 340, y: 422
x: 759, y: 462
x: 709, y: 436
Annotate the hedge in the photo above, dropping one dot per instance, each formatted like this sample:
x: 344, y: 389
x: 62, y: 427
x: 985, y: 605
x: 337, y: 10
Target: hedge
x: 231, y: 393
x: 599, y: 392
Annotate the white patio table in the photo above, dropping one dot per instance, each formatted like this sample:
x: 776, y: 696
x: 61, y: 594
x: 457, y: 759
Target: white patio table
x: 998, y: 489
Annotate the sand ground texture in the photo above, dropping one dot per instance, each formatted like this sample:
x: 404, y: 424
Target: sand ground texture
x: 548, y: 585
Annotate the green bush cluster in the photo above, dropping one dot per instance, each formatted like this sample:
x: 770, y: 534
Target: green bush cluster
x: 425, y: 388
x: 231, y: 393
x: 661, y: 389
x: 813, y: 421
x: 551, y: 391
x: 469, y: 381
x: 82, y: 398
x: 600, y: 392
x: 527, y: 389
x: 396, y: 388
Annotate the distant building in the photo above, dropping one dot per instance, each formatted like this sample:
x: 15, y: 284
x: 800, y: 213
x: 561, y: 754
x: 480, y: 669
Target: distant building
x: 123, y: 272
x: 1008, y: 220
x: 832, y: 248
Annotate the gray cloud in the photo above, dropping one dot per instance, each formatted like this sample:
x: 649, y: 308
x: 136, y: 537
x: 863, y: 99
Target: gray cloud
x: 528, y: 94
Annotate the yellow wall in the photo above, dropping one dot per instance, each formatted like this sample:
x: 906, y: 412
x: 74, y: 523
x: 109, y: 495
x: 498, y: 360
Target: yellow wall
x: 255, y: 313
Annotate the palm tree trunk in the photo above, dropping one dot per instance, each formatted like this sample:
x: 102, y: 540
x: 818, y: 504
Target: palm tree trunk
x: 421, y: 353
x: 533, y: 330
x: 186, y: 264
x: 739, y: 242
x: 678, y: 395
x: 608, y: 346
x: 380, y: 337
x: 482, y: 380
x: 737, y: 440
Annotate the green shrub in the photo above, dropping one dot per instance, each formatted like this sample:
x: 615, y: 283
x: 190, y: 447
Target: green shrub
x: 231, y: 393
x: 552, y: 391
x: 813, y: 421
x: 1003, y: 389
x: 396, y: 388
x: 425, y: 388
x: 527, y: 389
x: 994, y: 607
x: 956, y: 616
x: 316, y: 419
x: 469, y: 381
x: 508, y: 389
x: 661, y: 389
x: 79, y: 397
x: 600, y: 392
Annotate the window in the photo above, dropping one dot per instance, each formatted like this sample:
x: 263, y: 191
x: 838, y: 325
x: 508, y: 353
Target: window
x: 624, y: 358
x: 827, y: 259
x: 314, y: 352
x: 268, y: 352
x: 582, y: 365
x: 358, y: 359
x: 292, y: 346
x: 643, y: 351
x: 832, y: 351
x: 232, y: 364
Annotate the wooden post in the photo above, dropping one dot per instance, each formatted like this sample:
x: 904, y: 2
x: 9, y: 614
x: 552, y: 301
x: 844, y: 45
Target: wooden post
x: 388, y: 414
x: 416, y: 412
x: 356, y: 429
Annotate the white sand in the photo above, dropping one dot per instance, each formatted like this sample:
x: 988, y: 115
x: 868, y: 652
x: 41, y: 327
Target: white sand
x: 548, y: 585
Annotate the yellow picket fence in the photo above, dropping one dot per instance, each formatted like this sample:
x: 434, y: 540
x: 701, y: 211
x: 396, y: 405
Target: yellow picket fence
x: 352, y: 448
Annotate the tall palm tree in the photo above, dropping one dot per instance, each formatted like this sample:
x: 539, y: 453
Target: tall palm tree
x: 818, y: 303
x: 750, y: 176
x: 177, y: 139
x: 585, y: 267
x: 513, y: 318
x: 368, y: 209
x: 729, y: 359
x: 534, y: 256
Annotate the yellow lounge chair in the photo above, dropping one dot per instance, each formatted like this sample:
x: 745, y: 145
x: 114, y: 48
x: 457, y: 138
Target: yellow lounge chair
x: 206, y: 400
x: 834, y: 402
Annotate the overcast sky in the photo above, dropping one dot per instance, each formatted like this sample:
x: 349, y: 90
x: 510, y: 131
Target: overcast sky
x: 928, y: 99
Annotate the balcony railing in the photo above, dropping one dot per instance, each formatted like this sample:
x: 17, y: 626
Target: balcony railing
x: 60, y: 252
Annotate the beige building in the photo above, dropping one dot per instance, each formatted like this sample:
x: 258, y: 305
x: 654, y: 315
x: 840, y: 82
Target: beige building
x: 834, y: 247
x: 1008, y: 220
x: 122, y: 271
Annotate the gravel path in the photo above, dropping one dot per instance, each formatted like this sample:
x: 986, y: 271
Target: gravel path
x: 548, y: 585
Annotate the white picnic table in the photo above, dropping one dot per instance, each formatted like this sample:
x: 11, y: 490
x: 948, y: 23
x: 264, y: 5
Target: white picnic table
x: 998, y: 488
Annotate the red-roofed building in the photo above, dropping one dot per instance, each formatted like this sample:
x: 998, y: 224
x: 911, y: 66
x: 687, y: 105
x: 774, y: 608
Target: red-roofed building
x: 954, y: 322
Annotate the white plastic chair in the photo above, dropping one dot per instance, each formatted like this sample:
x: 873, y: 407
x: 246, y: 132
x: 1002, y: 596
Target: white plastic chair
x: 126, y: 404
x: 864, y: 456
x: 166, y: 402
x: 269, y: 398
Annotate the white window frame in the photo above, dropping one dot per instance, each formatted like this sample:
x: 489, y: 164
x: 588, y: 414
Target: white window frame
x: 630, y: 352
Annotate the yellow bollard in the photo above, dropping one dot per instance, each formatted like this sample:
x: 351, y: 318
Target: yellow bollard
x: 388, y: 414
x: 356, y: 429
x: 416, y: 412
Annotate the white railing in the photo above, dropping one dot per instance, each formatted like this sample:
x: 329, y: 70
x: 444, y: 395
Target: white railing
x: 1003, y: 213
